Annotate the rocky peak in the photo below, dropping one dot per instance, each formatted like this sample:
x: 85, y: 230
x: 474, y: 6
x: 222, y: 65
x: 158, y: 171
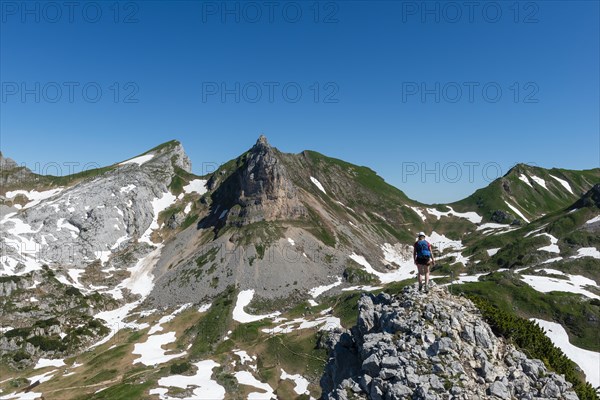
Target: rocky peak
x: 258, y: 189
x: 262, y: 143
x: 433, y: 346
x: 7, y: 163
x: 172, y: 154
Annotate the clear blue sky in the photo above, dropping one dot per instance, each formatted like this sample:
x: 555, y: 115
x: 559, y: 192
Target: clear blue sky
x: 367, y: 72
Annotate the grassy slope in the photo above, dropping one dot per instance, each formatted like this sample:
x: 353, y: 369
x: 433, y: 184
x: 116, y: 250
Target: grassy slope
x: 532, y: 201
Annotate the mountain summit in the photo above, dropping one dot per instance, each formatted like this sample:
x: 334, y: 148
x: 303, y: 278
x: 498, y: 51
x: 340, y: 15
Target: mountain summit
x: 257, y: 187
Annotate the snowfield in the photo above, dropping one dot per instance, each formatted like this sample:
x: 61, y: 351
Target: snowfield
x: 588, y: 361
x: 239, y: 315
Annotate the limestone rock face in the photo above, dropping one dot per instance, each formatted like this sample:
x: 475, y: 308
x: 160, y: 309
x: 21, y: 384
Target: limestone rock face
x: 433, y: 346
x: 260, y: 189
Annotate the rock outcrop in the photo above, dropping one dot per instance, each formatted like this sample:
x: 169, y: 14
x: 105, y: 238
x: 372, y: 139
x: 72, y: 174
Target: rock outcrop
x: 77, y: 223
x: 434, y: 346
x: 259, y: 189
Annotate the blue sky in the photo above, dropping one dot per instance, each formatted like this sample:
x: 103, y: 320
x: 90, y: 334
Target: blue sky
x: 439, y: 101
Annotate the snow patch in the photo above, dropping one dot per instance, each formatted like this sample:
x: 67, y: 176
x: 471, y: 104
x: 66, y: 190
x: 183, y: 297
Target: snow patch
x: 197, y: 186
x: 316, y: 292
x: 471, y: 215
x: 115, y: 321
x: 551, y: 260
x: 158, y: 206
x: 587, y: 360
x: 524, y: 178
x: 400, y: 274
x: 247, y: 379
x: 42, y: 378
x: 127, y: 189
x: 587, y: 252
x: 204, y: 308
x: 516, y: 211
x: 291, y: 241
x: 244, y: 298
x: 362, y: 289
x: 539, y: 181
x: 441, y: 242
x: 301, y: 382
x: 204, y: 387
x: 594, y: 220
x: 151, y: 352
x: 552, y: 248
x: 45, y: 362
x: 564, y: 183
x: 326, y: 323
x: 138, y: 160
x: 492, y: 252
x: 572, y: 284
x: 34, y: 196
x: 492, y: 225
x: 318, y: 184
x: 419, y: 212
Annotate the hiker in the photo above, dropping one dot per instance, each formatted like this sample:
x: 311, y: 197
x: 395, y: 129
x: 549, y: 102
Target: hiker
x: 423, y: 259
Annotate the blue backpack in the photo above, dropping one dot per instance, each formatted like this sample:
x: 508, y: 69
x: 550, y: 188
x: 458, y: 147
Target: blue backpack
x: 423, y: 249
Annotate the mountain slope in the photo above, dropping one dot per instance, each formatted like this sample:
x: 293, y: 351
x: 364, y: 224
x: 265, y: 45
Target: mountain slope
x: 526, y: 193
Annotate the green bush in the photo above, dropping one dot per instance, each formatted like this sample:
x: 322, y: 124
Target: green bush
x: 178, y: 369
x: 47, y: 344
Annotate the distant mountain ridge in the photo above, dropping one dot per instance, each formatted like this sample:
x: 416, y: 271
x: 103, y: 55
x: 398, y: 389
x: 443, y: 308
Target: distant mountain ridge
x: 287, y: 234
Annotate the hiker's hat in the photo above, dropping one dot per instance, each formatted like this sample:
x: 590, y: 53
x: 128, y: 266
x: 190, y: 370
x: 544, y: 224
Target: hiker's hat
x: 422, y: 234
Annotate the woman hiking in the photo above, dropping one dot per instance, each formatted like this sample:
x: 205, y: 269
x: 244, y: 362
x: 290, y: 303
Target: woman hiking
x: 423, y: 259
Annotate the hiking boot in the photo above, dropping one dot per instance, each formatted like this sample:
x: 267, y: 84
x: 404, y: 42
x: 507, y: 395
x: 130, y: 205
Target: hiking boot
x: 426, y: 287
x: 420, y: 287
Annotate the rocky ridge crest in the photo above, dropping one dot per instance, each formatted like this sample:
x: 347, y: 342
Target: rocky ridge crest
x: 434, y: 346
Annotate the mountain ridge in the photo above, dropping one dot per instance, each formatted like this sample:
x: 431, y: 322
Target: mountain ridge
x: 285, y: 234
